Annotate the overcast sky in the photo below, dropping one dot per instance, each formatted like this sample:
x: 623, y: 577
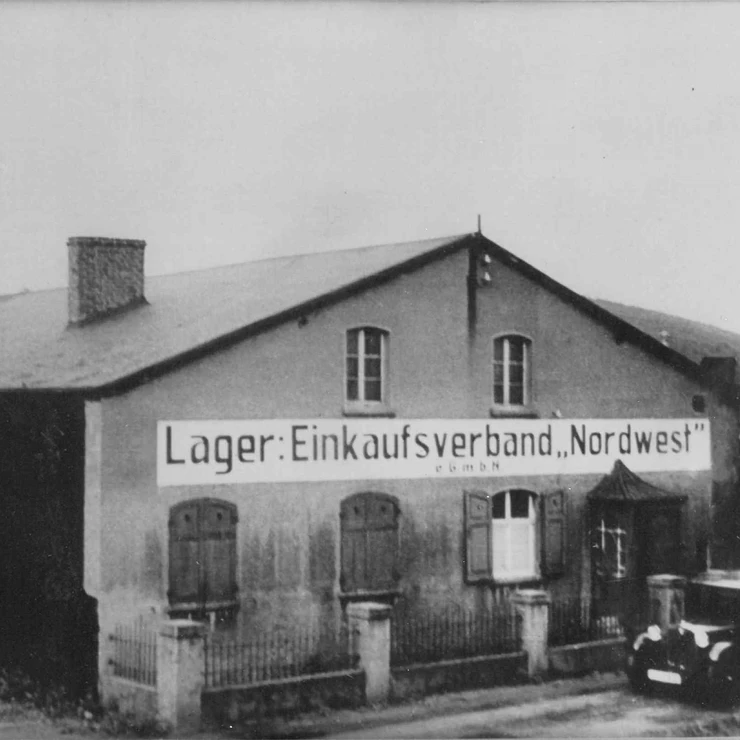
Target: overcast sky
x: 600, y: 141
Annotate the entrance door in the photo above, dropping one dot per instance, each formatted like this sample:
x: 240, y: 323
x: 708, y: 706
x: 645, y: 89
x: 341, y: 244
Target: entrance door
x: 616, y: 582
x: 631, y: 542
x: 659, y: 536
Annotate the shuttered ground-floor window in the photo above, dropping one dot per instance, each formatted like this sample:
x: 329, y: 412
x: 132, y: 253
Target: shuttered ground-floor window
x: 202, y: 549
x: 369, y: 543
x: 514, y: 535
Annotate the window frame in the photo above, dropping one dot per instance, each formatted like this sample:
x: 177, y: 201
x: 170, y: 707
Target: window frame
x: 509, y: 575
x: 353, y: 590
x: 361, y: 406
x: 506, y: 407
x: 550, y: 540
x: 612, y: 547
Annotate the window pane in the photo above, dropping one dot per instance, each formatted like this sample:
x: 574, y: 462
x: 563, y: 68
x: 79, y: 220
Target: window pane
x: 610, y: 554
x: 498, y: 373
x: 519, y: 504
x: 516, y: 349
x: 521, y: 546
x: 500, y: 553
x: 516, y: 374
x: 498, y: 393
x: 372, y: 390
x: 498, y: 350
x: 352, y: 389
x: 372, y: 368
x: 516, y: 395
x: 372, y: 342
x: 352, y: 367
x: 352, y: 342
x: 499, y: 506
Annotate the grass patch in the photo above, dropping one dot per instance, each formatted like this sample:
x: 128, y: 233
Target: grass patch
x: 25, y: 699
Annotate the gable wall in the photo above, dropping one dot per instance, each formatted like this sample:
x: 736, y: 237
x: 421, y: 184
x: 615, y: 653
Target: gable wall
x: 288, y: 533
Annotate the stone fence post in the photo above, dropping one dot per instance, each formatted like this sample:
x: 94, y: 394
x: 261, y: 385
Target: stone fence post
x: 180, y: 674
x: 370, y: 624
x: 533, y: 606
x: 666, y: 597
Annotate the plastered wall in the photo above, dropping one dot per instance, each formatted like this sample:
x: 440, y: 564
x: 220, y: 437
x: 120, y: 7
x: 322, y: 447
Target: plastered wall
x: 288, y: 534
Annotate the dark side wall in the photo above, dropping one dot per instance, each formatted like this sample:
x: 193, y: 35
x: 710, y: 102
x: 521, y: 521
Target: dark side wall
x: 288, y: 534
x: 47, y: 623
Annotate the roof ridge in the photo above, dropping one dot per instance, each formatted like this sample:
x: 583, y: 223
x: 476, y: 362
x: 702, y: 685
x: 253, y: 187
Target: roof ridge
x: 296, y: 255
x: 261, y: 260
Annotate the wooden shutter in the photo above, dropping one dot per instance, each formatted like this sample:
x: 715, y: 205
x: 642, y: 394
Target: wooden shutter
x: 478, y: 557
x: 369, y: 546
x: 184, y: 575
x: 219, y: 551
x: 553, y: 526
x: 352, y: 515
x: 381, y: 524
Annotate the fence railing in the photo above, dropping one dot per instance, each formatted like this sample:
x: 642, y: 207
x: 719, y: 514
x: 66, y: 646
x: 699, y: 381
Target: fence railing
x: 135, y: 653
x: 278, y: 654
x: 448, y: 634
x: 571, y: 622
x: 453, y: 633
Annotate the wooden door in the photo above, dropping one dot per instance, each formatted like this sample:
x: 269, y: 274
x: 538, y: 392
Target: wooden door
x: 659, y: 533
x: 617, y: 586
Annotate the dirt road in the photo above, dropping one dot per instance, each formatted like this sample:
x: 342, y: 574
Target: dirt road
x: 592, y: 706
x: 614, y: 713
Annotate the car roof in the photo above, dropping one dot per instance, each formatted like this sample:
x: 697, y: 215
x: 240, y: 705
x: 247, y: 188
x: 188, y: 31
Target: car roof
x: 727, y: 582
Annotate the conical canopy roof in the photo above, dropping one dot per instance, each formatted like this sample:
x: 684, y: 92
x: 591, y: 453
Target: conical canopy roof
x: 623, y: 485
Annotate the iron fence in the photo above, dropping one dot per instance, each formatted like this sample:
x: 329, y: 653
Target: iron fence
x: 278, y: 654
x: 135, y: 653
x: 571, y: 621
x: 454, y: 633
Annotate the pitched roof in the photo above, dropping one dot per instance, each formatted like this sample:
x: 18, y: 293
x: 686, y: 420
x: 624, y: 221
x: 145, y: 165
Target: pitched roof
x: 191, y: 314
x: 691, y: 338
x: 186, y: 313
x: 623, y: 485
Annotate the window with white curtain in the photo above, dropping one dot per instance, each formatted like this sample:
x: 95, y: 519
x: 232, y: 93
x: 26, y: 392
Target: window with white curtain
x: 514, y: 534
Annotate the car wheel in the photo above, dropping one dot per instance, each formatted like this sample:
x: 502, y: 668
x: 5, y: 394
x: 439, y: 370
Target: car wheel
x: 729, y: 690
x: 698, y: 690
x: 638, y: 680
x: 724, y: 683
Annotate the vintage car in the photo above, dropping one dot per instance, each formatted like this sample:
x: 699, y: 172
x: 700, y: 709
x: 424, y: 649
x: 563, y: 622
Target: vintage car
x: 701, y: 654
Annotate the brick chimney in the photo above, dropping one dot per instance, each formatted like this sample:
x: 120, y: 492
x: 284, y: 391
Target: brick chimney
x: 106, y: 276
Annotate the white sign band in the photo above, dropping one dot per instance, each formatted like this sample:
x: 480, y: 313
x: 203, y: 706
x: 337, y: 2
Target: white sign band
x: 280, y: 450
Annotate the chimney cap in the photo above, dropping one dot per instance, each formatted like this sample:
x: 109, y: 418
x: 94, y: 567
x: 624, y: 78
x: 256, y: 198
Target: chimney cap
x: 104, y: 241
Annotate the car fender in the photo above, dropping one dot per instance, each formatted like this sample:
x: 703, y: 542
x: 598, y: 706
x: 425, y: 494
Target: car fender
x: 719, y: 650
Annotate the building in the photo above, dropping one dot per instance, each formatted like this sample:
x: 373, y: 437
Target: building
x: 717, y: 351
x: 428, y: 423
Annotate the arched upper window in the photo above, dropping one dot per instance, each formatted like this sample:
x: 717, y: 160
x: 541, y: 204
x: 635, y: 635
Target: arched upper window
x: 366, y: 367
x: 512, y: 370
x: 369, y: 547
x: 202, y: 547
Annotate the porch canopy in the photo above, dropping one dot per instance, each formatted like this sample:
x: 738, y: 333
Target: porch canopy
x: 623, y: 485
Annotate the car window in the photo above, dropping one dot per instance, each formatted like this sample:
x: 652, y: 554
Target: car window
x: 711, y: 604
